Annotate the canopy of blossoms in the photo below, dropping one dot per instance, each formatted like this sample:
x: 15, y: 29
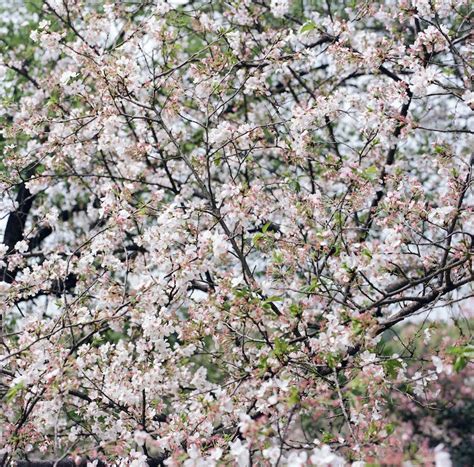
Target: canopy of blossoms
x: 219, y: 218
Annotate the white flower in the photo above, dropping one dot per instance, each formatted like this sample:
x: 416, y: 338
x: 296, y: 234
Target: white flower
x: 421, y: 80
x: 139, y: 461
x: 140, y: 437
x: 219, y: 244
x: 272, y: 400
x: 423, y: 7
x: 66, y: 76
x: 252, y: 85
x: 297, y: 459
x: 4, y: 287
x: 234, y: 41
x: 272, y: 454
x: 220, y: 135
x: 236, y: 281
x: 22, y: 246
x: 440, y: 366
x: 468, y: 98
x: 427, y: 334
x: 279, y: 8
x: 367, y: 357
x: 245, y: 422
x: 419, y: 384
x: 194, y: 456
x: 323, y: 456
x: 442, y: 458
x: 34, y: 36
x: 240, y: 453
x: 441, y: 215
x: 162, y: 7
x: 393, y: 239
x: 216, y: 454
x: 3, y: 250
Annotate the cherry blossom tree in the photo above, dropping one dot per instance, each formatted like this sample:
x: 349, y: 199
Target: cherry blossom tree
x: 219, y: 218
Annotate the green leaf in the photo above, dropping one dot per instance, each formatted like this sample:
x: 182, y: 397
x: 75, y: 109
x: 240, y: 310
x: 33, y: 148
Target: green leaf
x: 294, y: 396
x: 460, y: 363
x: 389, y: 428
x: 372, y: 431
x: 311, y: 288
x: 13, y: 391
x: 295, y: 185
x: 462, y: 354
x: 327, y: 437
x: 281, y: 347
x: 370, y: 173
x: 259, y: 236
x: 243, y: 292
x: 40, y: 168
x: 357, y: 327
x: 332, y: 360
x: 263, y: 365
x: 73, y: 415
x: 307, y: 27
x: 391, y: 368
x: 272, y: 299
x: 295, y: 310
x: 465, y: 350
x: 277, y: 257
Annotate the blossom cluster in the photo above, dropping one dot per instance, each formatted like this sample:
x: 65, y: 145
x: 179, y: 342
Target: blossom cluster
x: 218, y: 216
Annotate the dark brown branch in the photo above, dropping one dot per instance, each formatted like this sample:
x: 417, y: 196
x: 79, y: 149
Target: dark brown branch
x: 16, y: 225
